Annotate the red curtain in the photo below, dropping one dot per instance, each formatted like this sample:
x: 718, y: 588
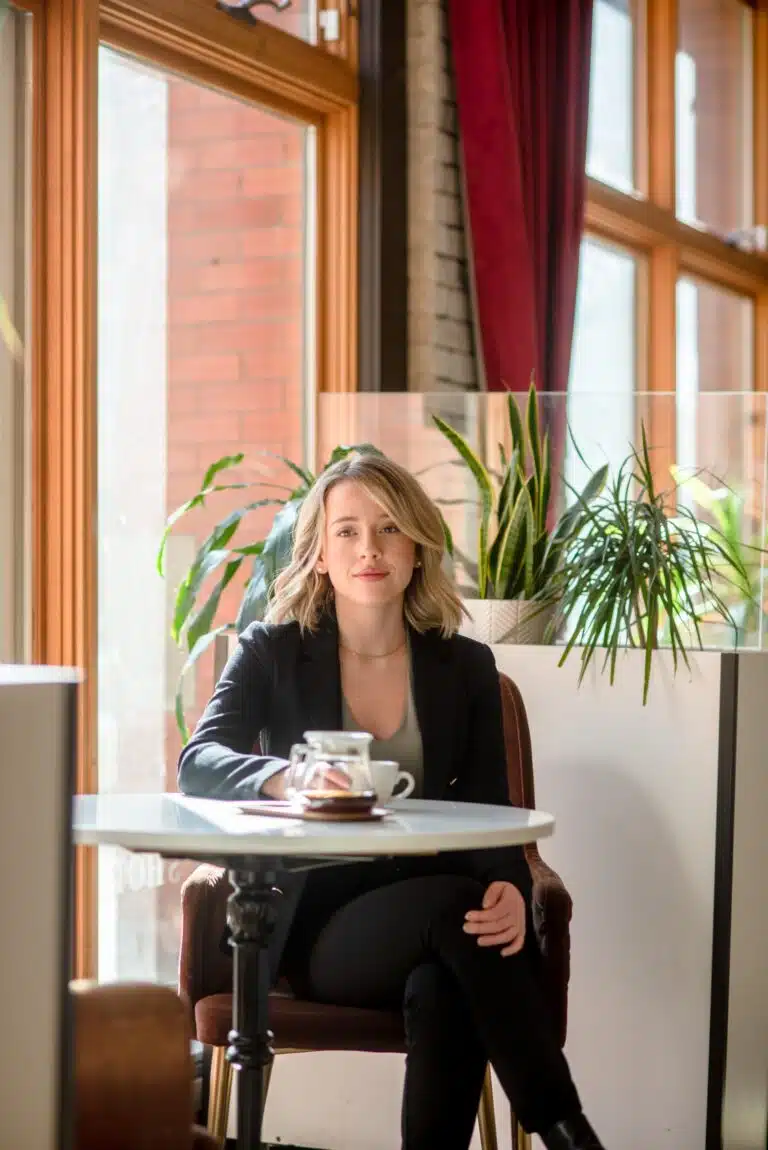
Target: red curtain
x: 522, y: 89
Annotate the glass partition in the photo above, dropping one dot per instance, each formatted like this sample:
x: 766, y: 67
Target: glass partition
x: 724, y: 439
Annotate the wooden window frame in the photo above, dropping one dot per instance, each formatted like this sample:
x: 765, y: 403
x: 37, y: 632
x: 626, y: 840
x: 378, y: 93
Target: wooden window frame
x: 647, y: 224
x: 317, y: 85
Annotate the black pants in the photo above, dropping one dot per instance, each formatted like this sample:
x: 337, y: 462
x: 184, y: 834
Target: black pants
x: 401, y: 945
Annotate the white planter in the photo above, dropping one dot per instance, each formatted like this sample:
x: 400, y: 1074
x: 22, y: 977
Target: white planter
x: 507, y: 621
x: 660, y: 838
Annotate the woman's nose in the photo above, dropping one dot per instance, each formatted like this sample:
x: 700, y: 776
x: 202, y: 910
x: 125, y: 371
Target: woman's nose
x: 369, y: 543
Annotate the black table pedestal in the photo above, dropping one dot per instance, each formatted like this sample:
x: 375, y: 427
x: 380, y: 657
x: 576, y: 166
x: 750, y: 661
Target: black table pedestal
x: 251, y: 915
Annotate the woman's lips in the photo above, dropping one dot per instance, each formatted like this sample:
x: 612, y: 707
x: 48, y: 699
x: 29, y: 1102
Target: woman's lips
x: 372, y: 576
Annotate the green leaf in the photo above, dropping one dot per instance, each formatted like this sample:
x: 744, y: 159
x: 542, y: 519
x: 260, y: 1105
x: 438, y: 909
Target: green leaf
x: 516, y: 427
x: 256, y: 598
x: 483, y: 481
x: 222, y: 464
x: 545, y: 486
x: 200, y: 623
x: 306, y: 477
x: 198, y: 500
x: 274, y: 557
x: 512, y: 546
x: 448, y: 537
x: 534, y: 436
x: 191, y: 584
x: 199, y: 649
x: 201, y: 566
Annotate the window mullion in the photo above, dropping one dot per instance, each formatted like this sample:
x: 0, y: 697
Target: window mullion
x: 660, y: 62
x: 662, y: 354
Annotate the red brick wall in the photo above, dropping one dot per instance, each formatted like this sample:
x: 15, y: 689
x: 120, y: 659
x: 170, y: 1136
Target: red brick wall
x: 236, y: 283
x: 235, y: 306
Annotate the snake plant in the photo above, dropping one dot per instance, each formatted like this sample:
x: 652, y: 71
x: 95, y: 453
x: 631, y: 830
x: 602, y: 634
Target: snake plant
x: 519, y: 547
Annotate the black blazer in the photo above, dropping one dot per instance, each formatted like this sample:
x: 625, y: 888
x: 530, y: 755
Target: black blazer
x: 280, y: 683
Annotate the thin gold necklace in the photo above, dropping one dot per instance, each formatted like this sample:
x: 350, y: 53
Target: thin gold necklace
x: 362, y: 655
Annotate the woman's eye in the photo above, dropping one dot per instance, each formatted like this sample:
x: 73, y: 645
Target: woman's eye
x: 390, y: 529
x: 344, y: 531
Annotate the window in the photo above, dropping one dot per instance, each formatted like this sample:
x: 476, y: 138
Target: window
x: 612, y: 101
x: 604, y: 361
x: 713, y: 114
x: 692, y: 211
x: 715, y: 340
x: 225, y: 238
x: 15, y: 44
x: 205, y: 206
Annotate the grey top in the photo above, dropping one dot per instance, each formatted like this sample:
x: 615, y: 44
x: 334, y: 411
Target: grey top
x: 404, y: 747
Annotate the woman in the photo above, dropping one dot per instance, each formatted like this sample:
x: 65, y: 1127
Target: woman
x: 362, y: 633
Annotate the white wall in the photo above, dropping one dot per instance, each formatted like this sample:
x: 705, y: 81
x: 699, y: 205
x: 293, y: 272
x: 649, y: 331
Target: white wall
x: 634, y: 791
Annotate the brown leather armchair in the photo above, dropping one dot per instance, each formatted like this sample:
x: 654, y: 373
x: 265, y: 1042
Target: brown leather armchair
x: 205, y: 973
x: 132, y: 1070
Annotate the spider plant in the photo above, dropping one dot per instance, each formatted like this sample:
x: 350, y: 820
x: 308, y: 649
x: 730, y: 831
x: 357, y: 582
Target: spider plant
x: 195, y: 622
x: 640, y: 562
x: 741, y: 577
x: 519, y: 548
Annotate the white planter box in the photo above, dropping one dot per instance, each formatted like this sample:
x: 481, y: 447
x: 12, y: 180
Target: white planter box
x: 662, y: 840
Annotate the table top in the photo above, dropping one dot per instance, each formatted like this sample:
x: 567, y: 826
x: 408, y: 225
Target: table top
x: 208, y: 828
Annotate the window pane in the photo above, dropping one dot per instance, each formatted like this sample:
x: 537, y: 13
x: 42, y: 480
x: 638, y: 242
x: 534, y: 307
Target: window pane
x: 611, y: 135
x: 603, y: 364
x: 713, y: 114
x: 15, y: 30
x: 714, y: 354
x: 205, y: 205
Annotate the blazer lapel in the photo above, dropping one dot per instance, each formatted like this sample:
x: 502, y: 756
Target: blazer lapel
x: 320, y: 679
x: 434, y: 688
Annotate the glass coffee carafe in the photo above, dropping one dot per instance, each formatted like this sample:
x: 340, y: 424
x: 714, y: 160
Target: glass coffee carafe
x: 331, y: 770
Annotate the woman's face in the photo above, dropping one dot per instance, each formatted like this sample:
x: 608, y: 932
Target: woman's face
x: 368, y: 560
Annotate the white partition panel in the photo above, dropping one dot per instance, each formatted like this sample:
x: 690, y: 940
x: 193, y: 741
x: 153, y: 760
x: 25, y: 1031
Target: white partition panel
x: 37, y: 767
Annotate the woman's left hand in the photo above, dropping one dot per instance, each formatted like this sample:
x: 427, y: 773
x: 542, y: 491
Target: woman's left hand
x: 501, y: 922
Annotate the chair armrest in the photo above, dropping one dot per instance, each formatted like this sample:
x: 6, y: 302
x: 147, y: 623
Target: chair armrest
x: 552, y: 911
x: 133, y: 1070
x: 204, y: 967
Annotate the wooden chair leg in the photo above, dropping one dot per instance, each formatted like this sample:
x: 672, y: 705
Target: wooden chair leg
x: 219, y: 1093
x: 520, y: 1139
x: 485, y: 1115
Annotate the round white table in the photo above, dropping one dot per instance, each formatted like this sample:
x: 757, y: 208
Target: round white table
x: 255, y: 847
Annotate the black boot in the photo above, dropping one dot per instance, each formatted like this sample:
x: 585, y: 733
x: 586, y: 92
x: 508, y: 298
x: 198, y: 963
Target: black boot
x: 573, y: 1134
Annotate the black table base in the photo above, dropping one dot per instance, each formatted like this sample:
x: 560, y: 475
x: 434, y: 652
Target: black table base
x: 251, y: 916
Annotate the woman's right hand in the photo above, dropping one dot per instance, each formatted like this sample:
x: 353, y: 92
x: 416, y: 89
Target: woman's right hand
x: 332, y: 778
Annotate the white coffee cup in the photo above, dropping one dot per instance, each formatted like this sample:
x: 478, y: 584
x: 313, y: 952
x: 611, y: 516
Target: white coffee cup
x: 386, y: 776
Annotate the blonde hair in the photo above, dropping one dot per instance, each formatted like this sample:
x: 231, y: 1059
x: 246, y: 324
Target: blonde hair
x: 300, y: 593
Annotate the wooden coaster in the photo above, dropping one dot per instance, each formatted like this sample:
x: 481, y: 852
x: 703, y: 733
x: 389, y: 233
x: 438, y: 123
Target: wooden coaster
x: 275, y: 808
x: 371, y: 816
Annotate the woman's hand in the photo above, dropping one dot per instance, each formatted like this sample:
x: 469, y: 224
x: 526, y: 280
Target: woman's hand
x: 501, y: 922
x: 332, y: 778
